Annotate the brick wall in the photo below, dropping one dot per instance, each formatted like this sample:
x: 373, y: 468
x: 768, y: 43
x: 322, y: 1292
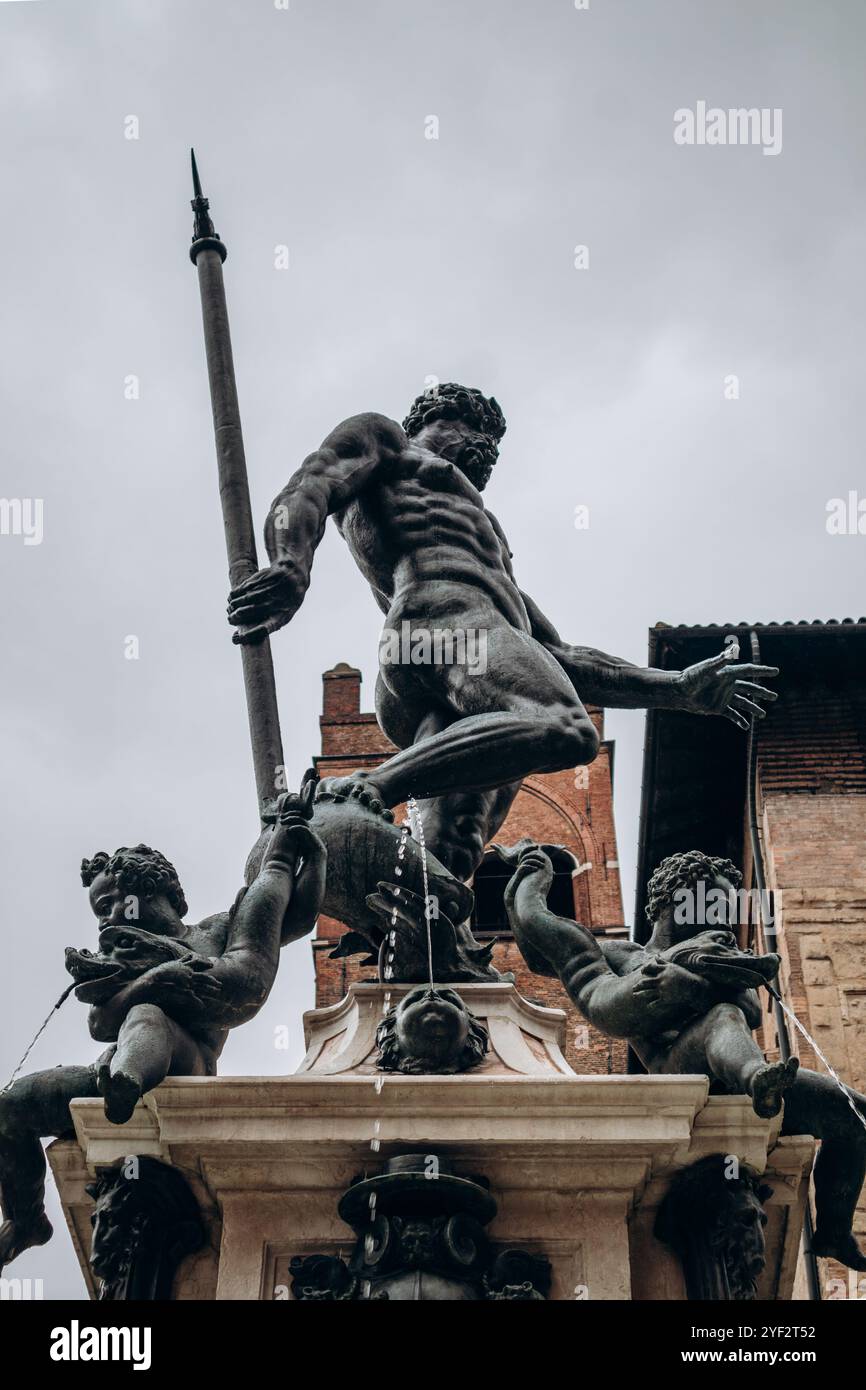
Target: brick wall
x: 571, y: 808
x: 813, y: 814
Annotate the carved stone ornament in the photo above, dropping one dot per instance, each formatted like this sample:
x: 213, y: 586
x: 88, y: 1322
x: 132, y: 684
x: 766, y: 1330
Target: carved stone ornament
x: 713, y: 1217
x: 145, y: 1220
x: 421, y: 1238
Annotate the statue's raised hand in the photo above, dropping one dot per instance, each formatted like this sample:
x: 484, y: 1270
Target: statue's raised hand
x: 721, y: 686
x: 267, y: 600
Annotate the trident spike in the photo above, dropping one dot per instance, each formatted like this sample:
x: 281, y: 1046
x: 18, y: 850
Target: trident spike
x: 203, y: 228
x: 196, y: 181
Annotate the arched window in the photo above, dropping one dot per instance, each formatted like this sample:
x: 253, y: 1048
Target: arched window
x: 491, y: 877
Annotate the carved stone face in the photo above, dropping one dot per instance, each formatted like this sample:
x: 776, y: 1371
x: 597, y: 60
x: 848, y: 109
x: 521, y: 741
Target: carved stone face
x: 742, y: 1242
x: 432, y: 1027
x: 110, y: 1240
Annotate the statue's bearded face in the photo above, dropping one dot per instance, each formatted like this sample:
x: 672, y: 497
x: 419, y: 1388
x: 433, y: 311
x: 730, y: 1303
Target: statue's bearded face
x: 464, y: 445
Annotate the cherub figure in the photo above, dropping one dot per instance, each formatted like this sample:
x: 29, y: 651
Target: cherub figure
x: 687, y: 1003
x: 163, y: 992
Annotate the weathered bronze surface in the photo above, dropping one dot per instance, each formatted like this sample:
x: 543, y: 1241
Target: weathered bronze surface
x: 503, y: 696
x: 687, y: 1003
x: 432, y: 1032
x: 163, y: 993
x: 421, y: 1238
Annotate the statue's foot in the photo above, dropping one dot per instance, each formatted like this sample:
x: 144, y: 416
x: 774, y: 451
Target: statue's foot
x: 842, y: 1248
x: 18, y: 1236
x: 356, y: 787
x: 769, y: 1084
x: 120, y: 1093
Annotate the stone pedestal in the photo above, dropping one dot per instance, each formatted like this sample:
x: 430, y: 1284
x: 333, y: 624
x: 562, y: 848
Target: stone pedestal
x: 577, y: 1164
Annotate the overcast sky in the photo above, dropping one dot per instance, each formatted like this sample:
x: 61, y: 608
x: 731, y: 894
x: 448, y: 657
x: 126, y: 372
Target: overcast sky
x: 409, y: 257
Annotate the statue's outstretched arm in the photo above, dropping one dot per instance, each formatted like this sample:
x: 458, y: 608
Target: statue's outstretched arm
x: 326, y: 482
x: 715, y: 686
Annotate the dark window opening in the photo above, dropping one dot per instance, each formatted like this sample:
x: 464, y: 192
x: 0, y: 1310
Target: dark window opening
x: 491, y: 878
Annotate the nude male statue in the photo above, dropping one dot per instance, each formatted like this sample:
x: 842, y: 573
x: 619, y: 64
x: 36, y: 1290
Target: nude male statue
x: 408, y: 503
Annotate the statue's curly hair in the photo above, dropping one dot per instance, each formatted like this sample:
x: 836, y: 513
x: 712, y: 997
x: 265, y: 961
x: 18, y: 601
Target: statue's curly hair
x: 392, y: 1059
x: 684, y: 871
x: 449, y: 401
x: 139, y: 870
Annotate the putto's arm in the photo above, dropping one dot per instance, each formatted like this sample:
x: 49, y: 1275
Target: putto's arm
x: 281, y: 905
x: 715, y: 686
x: 227, y: 989
x: 653, y: 996
x: 325, y: 483
x: 557, y: 946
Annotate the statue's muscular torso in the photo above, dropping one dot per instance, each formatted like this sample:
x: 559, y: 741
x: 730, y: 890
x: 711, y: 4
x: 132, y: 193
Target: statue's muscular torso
x: 420, y: 527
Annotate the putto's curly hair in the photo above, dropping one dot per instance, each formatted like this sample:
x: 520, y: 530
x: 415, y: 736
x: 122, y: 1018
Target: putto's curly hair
x: 140, y: 870
x: 684, y: 871
x: 448, y: 401
x: 391, y: 1058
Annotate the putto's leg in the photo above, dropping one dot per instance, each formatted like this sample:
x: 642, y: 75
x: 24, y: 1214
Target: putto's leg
x: 35, y: 1107
x: 815, y: 1105
x: 721, y: 1044
x: 141, y: 1060
x: 736, y: 1060
x: 150, y: 1047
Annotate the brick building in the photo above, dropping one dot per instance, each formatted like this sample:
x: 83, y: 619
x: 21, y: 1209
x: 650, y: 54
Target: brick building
x: 811, y: 804
x: 571, y: 809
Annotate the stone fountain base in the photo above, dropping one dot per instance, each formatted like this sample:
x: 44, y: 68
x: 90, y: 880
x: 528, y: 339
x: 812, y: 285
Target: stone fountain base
x: 576, y: 1165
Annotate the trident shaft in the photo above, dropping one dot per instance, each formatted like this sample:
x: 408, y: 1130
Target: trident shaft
x: 207, y: 254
